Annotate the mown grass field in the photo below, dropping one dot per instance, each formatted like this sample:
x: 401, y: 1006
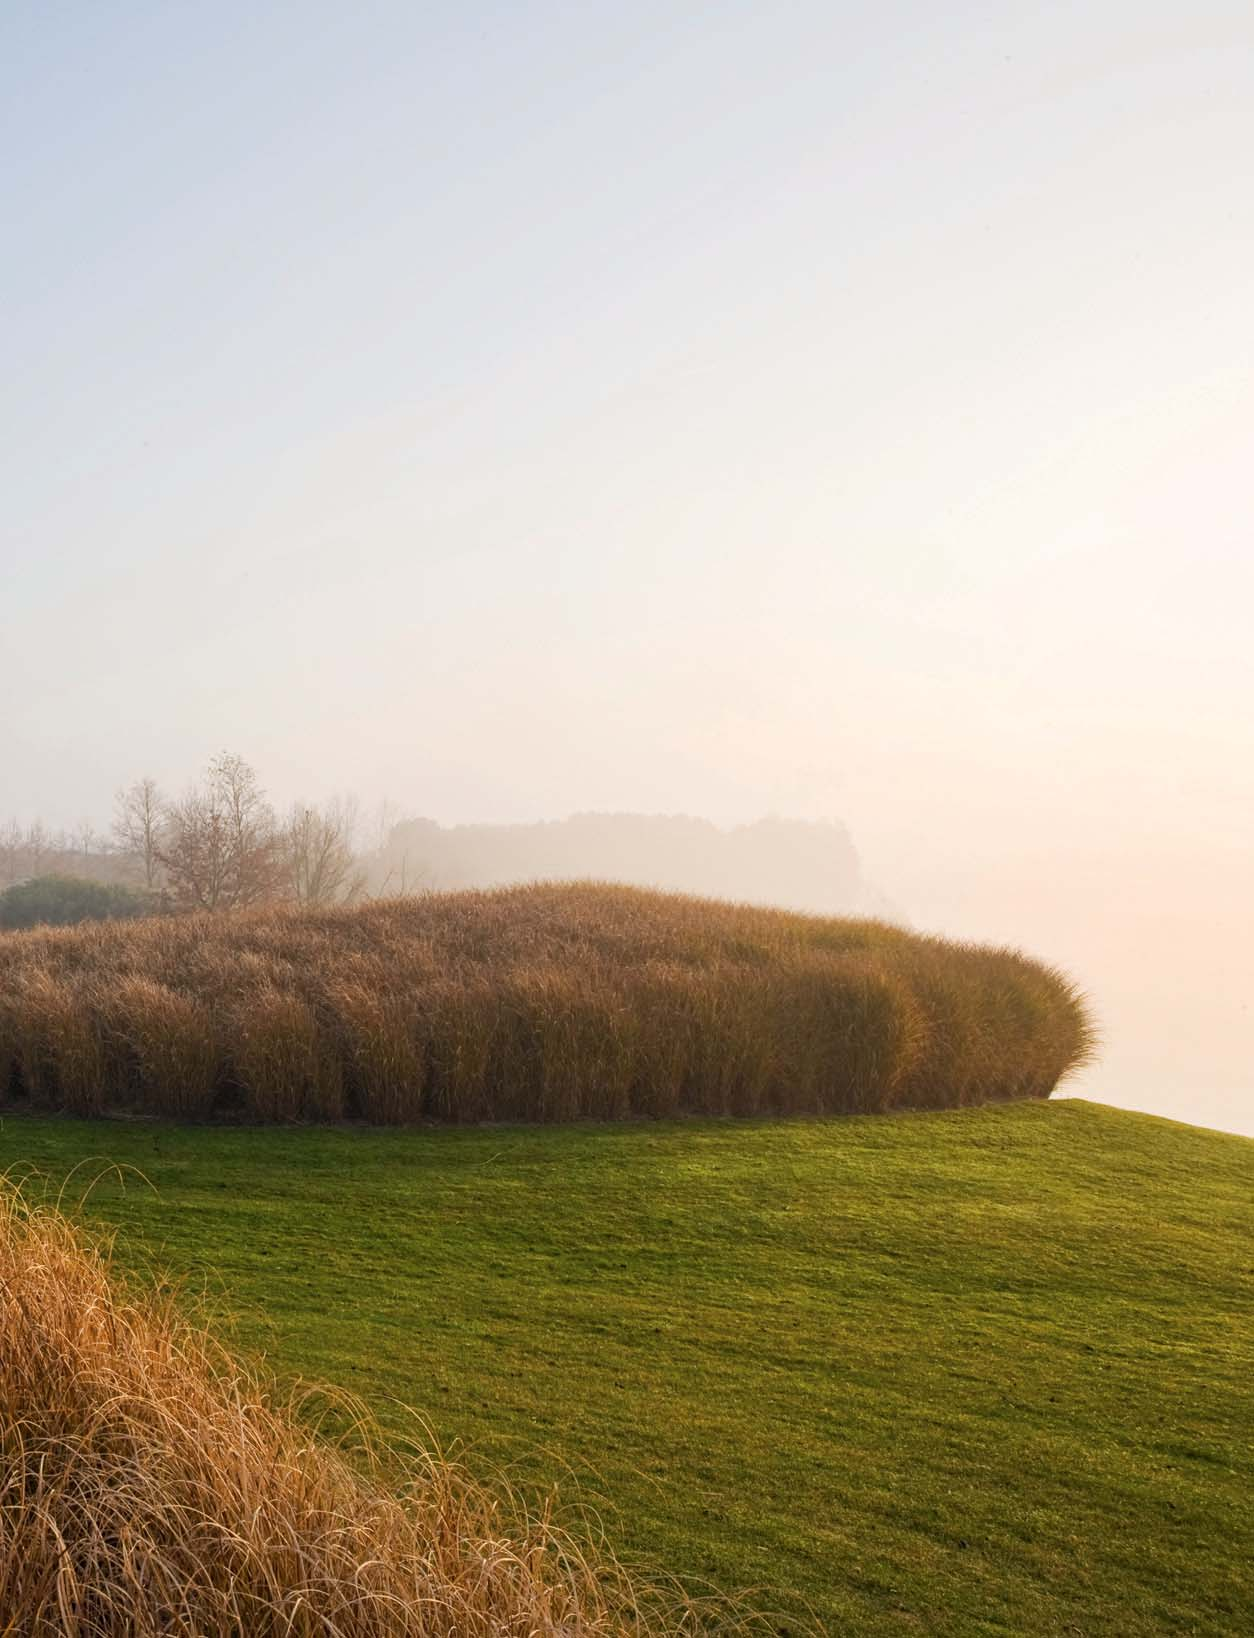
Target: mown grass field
x: 985, y: 1371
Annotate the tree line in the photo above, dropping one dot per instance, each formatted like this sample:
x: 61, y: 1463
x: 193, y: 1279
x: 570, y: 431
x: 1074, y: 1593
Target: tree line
x: 219, y: 847
x: 222, y: 846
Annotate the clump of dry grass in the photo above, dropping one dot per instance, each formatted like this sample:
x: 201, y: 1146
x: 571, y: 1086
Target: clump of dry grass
x: 552, y: 1002
x: 150, y: 1486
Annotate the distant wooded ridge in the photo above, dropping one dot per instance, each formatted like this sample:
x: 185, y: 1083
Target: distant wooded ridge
x: 222, y: 846
x: 796, y: 864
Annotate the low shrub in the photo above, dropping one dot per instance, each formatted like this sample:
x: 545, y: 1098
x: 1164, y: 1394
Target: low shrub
x: 162, y: 1047
x: 381, y: 1047
x: 279, y: 1058
x: 552, y: 1002
x: 61, y: 901
x: 58, y: 1047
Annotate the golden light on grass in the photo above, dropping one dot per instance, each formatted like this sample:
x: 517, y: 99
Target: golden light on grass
x: 151, y: 1486
x: 550, y: 1002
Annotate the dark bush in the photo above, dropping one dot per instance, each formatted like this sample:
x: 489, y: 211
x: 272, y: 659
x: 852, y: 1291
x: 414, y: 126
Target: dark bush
x: 60, y: 901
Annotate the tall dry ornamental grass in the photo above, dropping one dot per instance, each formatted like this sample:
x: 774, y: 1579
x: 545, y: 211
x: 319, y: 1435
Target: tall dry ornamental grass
x: 531, y: 1003
x: 150, y: 1488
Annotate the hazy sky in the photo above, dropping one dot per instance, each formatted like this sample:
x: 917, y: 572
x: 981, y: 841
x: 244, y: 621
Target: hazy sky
x: 729, y: 409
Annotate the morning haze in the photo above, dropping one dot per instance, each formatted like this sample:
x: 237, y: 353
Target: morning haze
x: 825, y: 412
x: 626, y: 789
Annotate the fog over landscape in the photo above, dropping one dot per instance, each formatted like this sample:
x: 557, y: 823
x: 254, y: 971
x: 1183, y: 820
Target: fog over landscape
x: 816, y: 413
x: 626, y: 818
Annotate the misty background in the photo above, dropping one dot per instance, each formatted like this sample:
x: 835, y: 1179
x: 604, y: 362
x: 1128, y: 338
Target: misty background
x: 813, y: 411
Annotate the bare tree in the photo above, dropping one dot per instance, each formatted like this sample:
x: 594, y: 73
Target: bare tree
x: 84, y: 839
x: 220, y: 845
x: 387, y: 816
x: 390, y: 871
x: 138, y: 818
x: 12, y: 849
x: 318, y: 848
x: 38, y: 844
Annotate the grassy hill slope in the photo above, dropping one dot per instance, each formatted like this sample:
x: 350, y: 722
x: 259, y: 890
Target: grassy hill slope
x: 985, y: 1371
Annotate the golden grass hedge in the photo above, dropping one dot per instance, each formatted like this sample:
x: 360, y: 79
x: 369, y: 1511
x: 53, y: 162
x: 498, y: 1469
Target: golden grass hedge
x: 544, y: 1003
x: 151, y: 1487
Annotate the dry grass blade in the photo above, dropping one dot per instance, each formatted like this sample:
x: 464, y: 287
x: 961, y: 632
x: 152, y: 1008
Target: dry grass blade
x: 538, y: 1003
x: 150, y: 1485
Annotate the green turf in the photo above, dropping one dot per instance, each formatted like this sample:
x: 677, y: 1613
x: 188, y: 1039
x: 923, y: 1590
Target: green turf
x: 989, y: 1371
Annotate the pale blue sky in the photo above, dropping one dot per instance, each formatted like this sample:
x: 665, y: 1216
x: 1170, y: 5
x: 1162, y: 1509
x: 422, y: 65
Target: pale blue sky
x: 812, y: 408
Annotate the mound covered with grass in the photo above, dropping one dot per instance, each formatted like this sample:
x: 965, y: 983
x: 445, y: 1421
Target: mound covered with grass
x: 538, y: 1004
x: 979, y: 1372
x: 149, y: 1486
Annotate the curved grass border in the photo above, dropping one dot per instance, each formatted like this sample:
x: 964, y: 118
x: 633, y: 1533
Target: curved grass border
x: 543, y: 1003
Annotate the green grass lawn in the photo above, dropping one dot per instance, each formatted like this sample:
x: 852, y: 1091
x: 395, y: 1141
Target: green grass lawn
x: 989, y: 1371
